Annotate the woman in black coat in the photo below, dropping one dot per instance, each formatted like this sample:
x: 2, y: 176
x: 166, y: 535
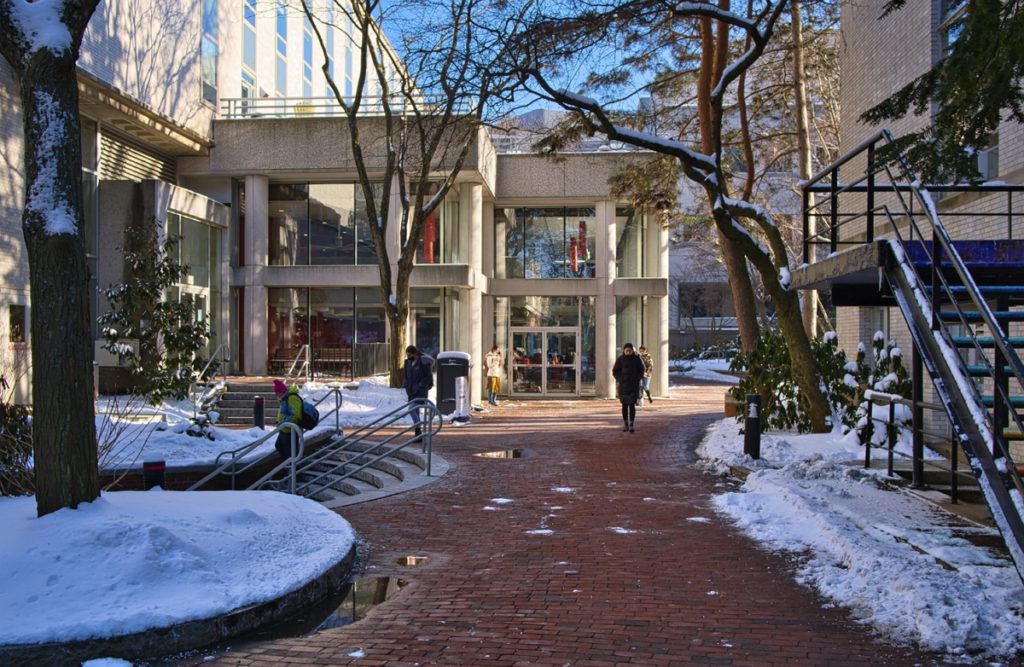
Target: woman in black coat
x: 629, y: 373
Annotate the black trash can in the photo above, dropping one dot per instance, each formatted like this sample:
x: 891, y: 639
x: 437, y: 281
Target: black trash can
x: 450, y: 367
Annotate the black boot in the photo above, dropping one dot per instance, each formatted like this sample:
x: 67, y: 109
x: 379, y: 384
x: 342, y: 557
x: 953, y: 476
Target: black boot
x: 626, y: 427
x: 649, y: 399
x: 631, y: 429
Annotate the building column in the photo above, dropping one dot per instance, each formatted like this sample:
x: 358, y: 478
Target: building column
x: 604, y: 317
x: 658, y: 318
x: 471, y: 211
x: 254, y: 319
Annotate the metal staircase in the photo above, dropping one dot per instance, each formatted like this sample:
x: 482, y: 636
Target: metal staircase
x: 877, y: 239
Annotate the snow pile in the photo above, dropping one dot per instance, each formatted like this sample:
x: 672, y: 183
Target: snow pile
x: 135, y: 560
x: 869, y: 546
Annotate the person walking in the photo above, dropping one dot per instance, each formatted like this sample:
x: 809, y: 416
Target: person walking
x: 648, y: 372
x: 419, y: 378
x: 494, y: 364
x: 289, y: 410
x: 629, y: 373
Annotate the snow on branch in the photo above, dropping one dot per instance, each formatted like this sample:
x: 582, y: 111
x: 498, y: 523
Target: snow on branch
x: 717, y: 13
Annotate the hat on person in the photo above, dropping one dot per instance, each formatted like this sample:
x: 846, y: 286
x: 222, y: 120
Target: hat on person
x: 280, y: 387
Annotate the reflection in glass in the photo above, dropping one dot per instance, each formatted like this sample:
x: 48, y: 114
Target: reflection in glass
x: 629, y: 243
x: 544, y: 242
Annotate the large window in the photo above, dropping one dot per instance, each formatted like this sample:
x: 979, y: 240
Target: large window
x: 307, y: 58
x: 281, y: 55
x: 319, y: 224
x: 199, y: 250
x: 339, y: 325
x: 435, y: 314
x: 629, y: 243
x: 440, y: 241
x: 544, y: 242
x: 209, y: 50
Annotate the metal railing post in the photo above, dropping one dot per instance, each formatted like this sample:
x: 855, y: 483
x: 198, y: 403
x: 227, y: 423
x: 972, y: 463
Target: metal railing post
x: 891, y: 433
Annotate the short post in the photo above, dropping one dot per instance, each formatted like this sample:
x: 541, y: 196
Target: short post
x: 153, y: 473
x: 892, y: 433
x: 752, y: 427
x: 257, y: 411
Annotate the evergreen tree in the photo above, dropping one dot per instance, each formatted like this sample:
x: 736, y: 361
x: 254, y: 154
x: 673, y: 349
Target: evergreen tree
x: 974, y: 85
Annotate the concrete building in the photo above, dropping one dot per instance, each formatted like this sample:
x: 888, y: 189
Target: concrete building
x: 212, y: 120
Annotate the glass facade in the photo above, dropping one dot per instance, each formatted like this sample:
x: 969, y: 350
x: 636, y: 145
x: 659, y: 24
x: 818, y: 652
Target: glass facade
x: 440, y: 242
x: 333, y: 322
x: 281, y: 59
x: 209, y: 50
x: 434, y: 315
x: 319, y: 224
x: 549, y: 343
x: 544, y: 242
x: 630, y: 230
x: 198, y: 248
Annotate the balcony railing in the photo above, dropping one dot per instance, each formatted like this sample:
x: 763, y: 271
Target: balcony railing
x: 305, y: 107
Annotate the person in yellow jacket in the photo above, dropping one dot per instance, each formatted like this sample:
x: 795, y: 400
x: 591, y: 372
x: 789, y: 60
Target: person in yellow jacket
x: 289, y: 410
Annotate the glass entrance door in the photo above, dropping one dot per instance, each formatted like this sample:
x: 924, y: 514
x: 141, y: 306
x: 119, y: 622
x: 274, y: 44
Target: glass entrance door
x: 544, y: 362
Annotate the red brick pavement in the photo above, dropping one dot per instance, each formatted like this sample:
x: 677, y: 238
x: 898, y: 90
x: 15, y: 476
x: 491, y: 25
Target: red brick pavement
x: 637, y: 569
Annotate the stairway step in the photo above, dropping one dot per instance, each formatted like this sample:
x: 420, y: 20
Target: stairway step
x: 975, y: 316
x: 982, y: 370
x: 985, y: 342
x: 993, y: 290
x: 1015, y: 401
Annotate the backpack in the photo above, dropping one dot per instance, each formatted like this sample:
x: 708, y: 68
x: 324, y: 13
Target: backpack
x: 310, y: 416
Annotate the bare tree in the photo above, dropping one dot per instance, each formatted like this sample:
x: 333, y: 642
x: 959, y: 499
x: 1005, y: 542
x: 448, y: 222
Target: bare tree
x: 429, y: 103
x: 41, y: 41
x: 722, y: 46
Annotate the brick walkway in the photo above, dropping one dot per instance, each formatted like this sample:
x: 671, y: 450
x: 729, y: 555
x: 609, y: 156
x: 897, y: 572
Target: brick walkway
x: 637, y: 569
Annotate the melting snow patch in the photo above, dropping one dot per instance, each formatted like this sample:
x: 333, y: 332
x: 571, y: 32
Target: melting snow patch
x: 501, y: 501
x: 622, y: 531
x: 488, y: 508
x: 698, y: 519
x: 358, y: 653
x: 649, y: 500
x: 563, y: 489
x: 712, y: 592
x: 540, y: 531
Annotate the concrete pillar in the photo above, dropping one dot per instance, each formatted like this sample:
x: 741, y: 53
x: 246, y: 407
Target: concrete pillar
x: 471, y: 213
x: 658, y: 322
x: 254, y: 318
x: 604, y: 318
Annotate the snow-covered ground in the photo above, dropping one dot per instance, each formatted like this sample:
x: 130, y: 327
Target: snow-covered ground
x: 140, y: 436
x: 867, y: 545
x: 715, y: 370
x: 862, y: 542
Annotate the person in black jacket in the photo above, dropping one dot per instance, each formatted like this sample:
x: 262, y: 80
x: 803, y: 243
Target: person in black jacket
x: 629, y: 374
x: 419, y: 378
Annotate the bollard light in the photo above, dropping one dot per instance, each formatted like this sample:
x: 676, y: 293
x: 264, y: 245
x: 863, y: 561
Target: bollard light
x: 257, y: 411
x: 752, y: 427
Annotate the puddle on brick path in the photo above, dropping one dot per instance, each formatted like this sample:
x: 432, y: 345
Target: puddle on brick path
x: 412, y: 561
x: 351, y: 603
x: 506, y: 454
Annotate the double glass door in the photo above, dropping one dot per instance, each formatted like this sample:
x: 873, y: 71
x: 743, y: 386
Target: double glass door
x: 544, y: 361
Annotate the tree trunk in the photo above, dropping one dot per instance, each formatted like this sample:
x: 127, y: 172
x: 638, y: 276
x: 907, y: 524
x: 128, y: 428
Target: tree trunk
x: 397, y: 350
x: 742, y: 291
x: 63, y: 429
x: 803, y: 137
x: 804, y: 368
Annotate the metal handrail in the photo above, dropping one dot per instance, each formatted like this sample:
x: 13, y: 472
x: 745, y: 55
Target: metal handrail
x: 892, y: 400
x: 230, y: 467
x: 430, y: 425
x: 303, y: 352
x: 199, y: 397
